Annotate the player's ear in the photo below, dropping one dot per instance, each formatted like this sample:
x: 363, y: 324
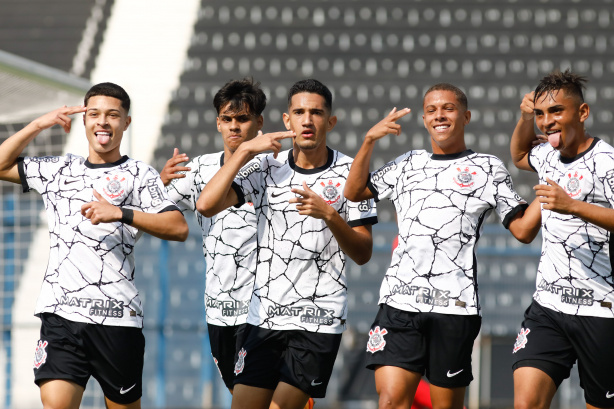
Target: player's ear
x: 217, y: 121
x: 467, y: 116
x: 260, y: 122
x: 584, y: 111
x: 332, y: 121
x: 286, y: 118
x: 128, y: 121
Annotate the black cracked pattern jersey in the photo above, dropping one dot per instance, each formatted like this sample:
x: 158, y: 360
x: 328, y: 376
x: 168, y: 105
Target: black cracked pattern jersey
x: 300, y: 276
x: 575, y: 269
x: 90, y: 273
x: 441, y: 203
x: 229, y: 244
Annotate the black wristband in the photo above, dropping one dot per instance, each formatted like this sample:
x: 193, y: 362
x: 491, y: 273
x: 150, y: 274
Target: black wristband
x: 127, y: 216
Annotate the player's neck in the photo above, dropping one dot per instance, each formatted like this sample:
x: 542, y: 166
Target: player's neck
x: 98, y: 158
x: 310, y: 158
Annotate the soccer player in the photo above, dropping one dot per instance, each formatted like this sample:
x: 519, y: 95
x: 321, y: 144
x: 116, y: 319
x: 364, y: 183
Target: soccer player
x: 429, y: 314
x: 305, y: 228
x: 229, y: 238
x: 97, y: 208
x: 571, y: 317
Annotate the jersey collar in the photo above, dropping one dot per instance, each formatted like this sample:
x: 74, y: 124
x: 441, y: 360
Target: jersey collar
x: 105, y: 165
x: 578, y: 156
x: 450, y: 156
x: 298, y: 169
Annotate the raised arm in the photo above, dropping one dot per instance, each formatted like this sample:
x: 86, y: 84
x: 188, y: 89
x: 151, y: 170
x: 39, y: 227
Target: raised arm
x: 524, y: 137
x: 169, y: 225
x: 12, y: 147
x: 356, y: 242
x: 356, y: 188
x: 217, y: 194
x: 171, y: 169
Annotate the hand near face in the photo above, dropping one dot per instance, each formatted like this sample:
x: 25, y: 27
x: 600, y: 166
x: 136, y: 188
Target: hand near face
x: 527, y: 106
x: 101, y: 211
x: 311, y: 204
x: 60, y: 117
x: 171, y: 170
x: 388, y: 125
x: 266, y: 142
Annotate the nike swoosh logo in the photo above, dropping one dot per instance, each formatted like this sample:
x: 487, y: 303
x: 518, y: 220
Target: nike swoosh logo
x: 123, y: 391
x: 68, y: 182
x: 609, y: 395
x: 454, y: 374
x: 314, y: 383
x: 277, y: 194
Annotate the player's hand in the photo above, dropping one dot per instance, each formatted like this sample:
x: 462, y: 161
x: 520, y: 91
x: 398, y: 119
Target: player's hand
x: 553, y: 197
x: 266, y: 142
x: 171, y: 170
x: 311, y: 204
x: 539, y: 139
x: 59, y: 116
x: 388, y: 125
x: 527, y: 106
x: 101, y: 211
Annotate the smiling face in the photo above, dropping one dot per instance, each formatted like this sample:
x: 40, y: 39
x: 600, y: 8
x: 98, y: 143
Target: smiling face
x: 105, y: 122
x: 445, y: 119
x: 561, y: 117
x: 237, y: 127
x: 310, y: 119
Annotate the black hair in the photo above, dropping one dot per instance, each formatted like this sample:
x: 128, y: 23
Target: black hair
x: 311, y: 86
x: 572, y: 84
x: 108, y: 89
x: 241, y: 94
x: 444, y: 86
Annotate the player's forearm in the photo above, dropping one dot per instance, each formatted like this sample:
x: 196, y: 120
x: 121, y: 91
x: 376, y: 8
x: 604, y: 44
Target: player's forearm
x: 357, y: 243
x: 522, y: 142
x: 599, y: 216
x: 217, y: 194
x: 12, y: 148
x: 356, y: 183
x: 526, y: 226
x: 169, y: 225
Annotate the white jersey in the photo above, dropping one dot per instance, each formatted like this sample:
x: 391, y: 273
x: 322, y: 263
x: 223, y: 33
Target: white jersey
x: 575, y: 270
x: 90, y: 273
x: 441, y: 202
x: 229, y: 244
x: 300, y: 276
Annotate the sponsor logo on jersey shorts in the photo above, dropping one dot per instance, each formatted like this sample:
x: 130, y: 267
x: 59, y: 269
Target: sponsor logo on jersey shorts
x: 376, y: 340
x: 240, y: 365
x: 521, y: 339
x: 40, y: 354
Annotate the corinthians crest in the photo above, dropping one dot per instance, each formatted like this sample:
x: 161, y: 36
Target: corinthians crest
x: 573, y: 186
x: 464, y: 178
x: 114, y: 187
x: 330, y: 192
x: 376, y: 339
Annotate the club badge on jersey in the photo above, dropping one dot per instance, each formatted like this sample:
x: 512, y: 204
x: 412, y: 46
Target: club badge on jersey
x: 40, y: 354
x: 376, y: 340
x: 330, y: 191
x: 464, y: 178
x: 112, y: 187
x: 573, y: 187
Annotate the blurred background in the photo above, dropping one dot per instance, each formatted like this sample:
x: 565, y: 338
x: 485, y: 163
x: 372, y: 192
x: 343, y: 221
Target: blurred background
x: 172, y: 56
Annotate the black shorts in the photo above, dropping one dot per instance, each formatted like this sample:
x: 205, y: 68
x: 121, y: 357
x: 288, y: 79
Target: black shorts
x: 300, y: 358
x: 439, y: 345
x: 225, y: 342
x: 74, y: 351
x: 552, y: 342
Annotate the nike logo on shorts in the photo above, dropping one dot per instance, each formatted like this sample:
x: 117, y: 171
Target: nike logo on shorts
x: 123, y: 391
x: 454, y: 374
x: 314, y: 383
x: 609, y: 395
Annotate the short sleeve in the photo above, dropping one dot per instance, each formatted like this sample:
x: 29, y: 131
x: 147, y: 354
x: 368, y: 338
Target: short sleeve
x: 38, y: 172
x: 508, y: 202
x: 153, y: 197
x: 382, y: 182
x: 248, y: 183
x: 183, y: 191
x: 362, y: 213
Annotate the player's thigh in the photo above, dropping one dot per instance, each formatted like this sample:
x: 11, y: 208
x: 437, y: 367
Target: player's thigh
x: 114, y: 405
x: 543, y: 344
x: 224, y: 348
x: 308, y: 361
x: 59, y: 393
x: 259, y: 358
x: 116, y: 356
x: 288, y: 397
x: 447, y: 398
x: 592, y: 338
x: 395, y: 386
x: 396, y: 338
x: 251, y: 397
x: 533, y: 388
x: 450, y: 340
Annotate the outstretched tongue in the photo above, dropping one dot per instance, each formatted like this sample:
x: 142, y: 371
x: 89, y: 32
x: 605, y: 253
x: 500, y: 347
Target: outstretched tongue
x: 103, y: 137
x: 554, y: 139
